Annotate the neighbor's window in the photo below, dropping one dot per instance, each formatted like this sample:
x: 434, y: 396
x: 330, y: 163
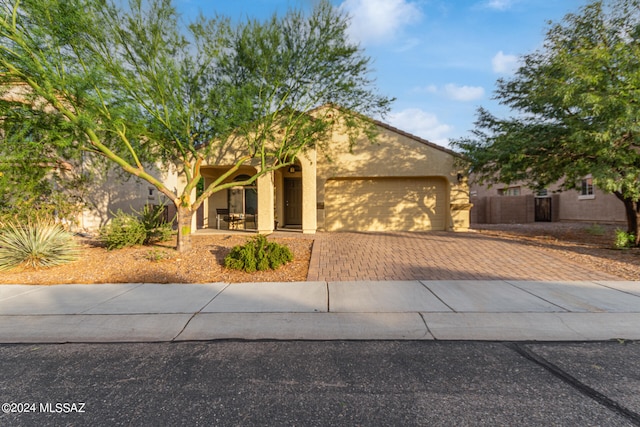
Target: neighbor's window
x: 510, y: 191
x: 586, y: 189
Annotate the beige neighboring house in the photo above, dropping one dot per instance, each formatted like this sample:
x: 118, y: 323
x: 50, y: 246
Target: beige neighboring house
x: 518, y: 204
x: 399, y: 183
x: 113, y: 191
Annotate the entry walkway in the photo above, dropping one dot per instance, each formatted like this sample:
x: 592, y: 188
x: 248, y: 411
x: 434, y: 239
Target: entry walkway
x: 342, y: 310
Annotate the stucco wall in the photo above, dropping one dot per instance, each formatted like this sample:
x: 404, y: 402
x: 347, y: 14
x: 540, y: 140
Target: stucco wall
x: 394, y: 154
x: 113, y: 190
x: 567, y: 206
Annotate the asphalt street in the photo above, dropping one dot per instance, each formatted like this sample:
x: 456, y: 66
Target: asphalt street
x: 321, y: 383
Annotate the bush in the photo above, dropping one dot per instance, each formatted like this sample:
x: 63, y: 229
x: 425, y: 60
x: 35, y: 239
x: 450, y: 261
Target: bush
x: 156, y: 228
x: 37, y: 244
x: 123, y: 230
x: 596, y: 230
x: 258, y: 254
x: 624, y: 240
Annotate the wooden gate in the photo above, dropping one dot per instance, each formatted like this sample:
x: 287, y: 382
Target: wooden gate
x: 543, y: 209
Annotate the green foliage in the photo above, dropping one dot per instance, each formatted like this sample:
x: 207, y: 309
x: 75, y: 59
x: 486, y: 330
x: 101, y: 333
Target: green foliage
x: 155, y: 226
x: 123, y: 230
x: 132, y: 82
x: 147, y: 227
x: 596, y: 230
x: 624, y: 240
x: 258, y: 254
x: 157, y: 255
x: 576, y: 106
x: 36, y: 244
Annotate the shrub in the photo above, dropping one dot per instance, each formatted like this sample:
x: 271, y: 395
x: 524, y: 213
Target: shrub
x: 156, y: 228
x: 123, y: 230
x: 258, y: 254
x: 596, y: 230
x: 36, y: 244
x: 624, y: 240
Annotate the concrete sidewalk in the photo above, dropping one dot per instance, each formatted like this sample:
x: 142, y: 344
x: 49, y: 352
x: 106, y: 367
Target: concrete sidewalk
x: 364, y: 310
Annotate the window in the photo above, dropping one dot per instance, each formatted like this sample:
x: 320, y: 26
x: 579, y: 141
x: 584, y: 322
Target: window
x: 586, y: 189
x: 542, y: 193
x: 510, y: 191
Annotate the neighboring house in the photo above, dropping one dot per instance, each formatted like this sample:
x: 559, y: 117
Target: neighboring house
x: 114, y: 190
x: 398, y: 183
x: 516, y: 203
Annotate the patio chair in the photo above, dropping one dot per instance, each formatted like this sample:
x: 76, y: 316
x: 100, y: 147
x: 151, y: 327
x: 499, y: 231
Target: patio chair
x: 222, y: 214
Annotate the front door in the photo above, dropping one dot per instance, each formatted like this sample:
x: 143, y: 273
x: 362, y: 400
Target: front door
x: 293, y: 201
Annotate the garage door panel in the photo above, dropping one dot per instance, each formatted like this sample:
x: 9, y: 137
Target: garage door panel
x: 385, y: 204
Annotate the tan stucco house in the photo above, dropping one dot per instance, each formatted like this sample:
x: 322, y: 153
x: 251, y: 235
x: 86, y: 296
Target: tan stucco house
x: 399, y: 182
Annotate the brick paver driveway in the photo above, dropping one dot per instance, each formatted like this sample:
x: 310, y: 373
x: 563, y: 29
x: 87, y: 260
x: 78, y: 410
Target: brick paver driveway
x: 437, y: 256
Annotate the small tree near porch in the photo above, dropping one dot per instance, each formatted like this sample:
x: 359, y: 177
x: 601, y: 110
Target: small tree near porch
x: 135, y: 86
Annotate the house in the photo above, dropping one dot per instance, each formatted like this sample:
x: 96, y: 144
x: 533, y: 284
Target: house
x: 516, y: 203
x: 398, y: 183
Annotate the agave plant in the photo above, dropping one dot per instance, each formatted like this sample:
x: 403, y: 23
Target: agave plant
x: 36, y: 244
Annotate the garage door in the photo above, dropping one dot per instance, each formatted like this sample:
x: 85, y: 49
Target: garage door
x: 385, y: 204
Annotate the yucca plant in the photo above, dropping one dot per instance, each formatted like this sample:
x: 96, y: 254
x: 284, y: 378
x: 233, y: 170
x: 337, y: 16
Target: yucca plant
x: 36, y: 244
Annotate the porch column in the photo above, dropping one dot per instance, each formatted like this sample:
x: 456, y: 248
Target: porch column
x: 265, y: 203
x: 309, y: 193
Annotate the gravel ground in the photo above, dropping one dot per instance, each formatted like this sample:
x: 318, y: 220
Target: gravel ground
x: 162, y: 264
x: 584, y: 243
x: 591, y: 244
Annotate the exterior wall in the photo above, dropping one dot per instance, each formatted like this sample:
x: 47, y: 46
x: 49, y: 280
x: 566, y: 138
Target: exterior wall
x: 503, y: 210
x: 491, y: 208
x: 604, y: 208
x: 395, y: 154
x: 113, y: 190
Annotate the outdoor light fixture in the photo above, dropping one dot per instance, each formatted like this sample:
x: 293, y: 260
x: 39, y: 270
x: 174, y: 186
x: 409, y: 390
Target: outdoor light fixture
x: 292, y: 169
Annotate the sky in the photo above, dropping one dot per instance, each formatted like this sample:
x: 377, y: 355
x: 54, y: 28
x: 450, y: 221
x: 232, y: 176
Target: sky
x: 440, y: 59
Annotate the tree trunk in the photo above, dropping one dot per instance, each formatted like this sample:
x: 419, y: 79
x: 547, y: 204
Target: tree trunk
x: 632, y: 211
x: 185, y: 215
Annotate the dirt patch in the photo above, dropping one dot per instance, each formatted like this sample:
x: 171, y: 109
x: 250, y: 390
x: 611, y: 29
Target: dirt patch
x: 591, y: 244
x: 162, y: 264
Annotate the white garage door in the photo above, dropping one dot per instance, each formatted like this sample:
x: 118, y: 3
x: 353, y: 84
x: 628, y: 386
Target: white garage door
x: 385, y: 204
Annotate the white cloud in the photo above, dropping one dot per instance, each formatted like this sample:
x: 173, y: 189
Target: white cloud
x: 425, y: 89
x: 422, y: 124
x: 499, y: 4
x: 504, y: 64
x: 374, y: 21
x: 463, y: 93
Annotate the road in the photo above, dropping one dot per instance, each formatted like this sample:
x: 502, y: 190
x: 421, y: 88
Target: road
x: 299, y: 383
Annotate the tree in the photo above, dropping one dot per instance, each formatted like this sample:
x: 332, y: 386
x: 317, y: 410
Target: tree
x: 578, y: 110
x: 137, y: 87
x: 34, y: 179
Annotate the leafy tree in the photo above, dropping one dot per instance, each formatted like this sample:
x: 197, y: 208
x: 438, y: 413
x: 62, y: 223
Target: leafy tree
x: 34, y: 180
x: 136, y: 86
x: 577, y: 104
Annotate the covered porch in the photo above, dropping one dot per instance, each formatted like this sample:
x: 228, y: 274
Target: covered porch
x: 282, y: 199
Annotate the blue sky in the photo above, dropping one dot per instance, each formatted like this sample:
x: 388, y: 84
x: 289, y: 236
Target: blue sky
x: 440, y: 59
